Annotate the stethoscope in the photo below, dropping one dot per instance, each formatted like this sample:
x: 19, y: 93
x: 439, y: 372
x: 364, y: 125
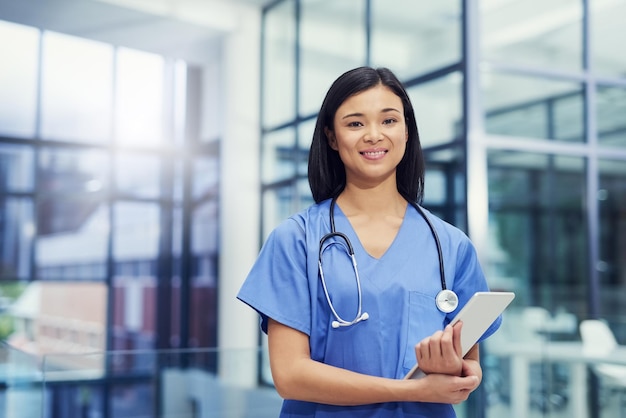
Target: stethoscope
x: 446, y: 299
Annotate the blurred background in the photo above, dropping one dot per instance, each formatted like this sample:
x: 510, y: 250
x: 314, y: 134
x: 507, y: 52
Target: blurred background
x: 147, y: 148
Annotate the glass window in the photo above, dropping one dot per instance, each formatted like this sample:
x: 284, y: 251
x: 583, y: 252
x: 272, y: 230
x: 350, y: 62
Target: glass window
x: 532, y: 107
x: 10, y: 293
x: 612, y: 265
x: 203, y: 309
x: 278, y: 204
x: 539, y: 33
x: 179, y: 99
x: 332, y: 41
x: 61, y: 318
x: 444, y: 185
x: 136, y: 237
x: 72, y: 237
x: 278, y: 159
x: 176, y: 282
x: 305, y: 199
x: 206, y: 178
x: 77, y: 89
x: 138, y: 175
x: 16, y: 236
x: 72, y: 214
x: 279, y: 64
x: 178, y: 190
x: 204, y: 249
x: 412, y: 37
x: 134, y: 311
x: 537, y: 229
x: 205, y: 227
x: 16, y: 168
x: 206, y: 118
x: 567, y: 116
x: 19, y: 49
x: 73, y: 171
x: 611, y: 108
x: 139, y: 98
x: 607, y: 50
x: 305, y: 137
x: 438, y: 109
x: 435, y: 183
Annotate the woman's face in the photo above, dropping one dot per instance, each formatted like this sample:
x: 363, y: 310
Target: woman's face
x: 370, y: 135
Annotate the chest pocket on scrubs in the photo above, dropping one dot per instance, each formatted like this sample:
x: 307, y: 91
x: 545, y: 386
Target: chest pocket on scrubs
x: 423, y: 320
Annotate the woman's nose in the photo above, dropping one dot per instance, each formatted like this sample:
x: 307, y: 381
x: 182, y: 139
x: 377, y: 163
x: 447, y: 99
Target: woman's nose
x: 374, y: 134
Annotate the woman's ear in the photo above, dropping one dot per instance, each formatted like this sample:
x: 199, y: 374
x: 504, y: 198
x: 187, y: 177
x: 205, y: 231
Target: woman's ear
x: 332, y: 141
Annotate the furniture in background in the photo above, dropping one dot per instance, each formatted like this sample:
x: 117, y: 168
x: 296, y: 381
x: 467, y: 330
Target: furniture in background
x: 600, y: 343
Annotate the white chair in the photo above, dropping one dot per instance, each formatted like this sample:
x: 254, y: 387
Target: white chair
x: 598, y: 342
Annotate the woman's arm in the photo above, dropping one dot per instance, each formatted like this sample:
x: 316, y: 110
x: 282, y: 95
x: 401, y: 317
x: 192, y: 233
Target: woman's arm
x: 297, y: 376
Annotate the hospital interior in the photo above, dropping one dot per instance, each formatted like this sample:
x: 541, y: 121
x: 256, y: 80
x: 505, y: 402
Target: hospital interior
x: 148, y: 147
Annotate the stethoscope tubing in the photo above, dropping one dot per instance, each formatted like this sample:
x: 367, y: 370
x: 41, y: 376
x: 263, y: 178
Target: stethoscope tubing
x: 446, y: 300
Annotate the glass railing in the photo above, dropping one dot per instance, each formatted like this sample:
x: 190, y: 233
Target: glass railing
x: 21, y: 392
x: 190, y: 383
x: 542, y: 378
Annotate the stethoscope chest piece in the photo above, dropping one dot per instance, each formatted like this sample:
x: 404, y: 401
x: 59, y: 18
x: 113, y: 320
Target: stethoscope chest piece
x: 447, y: 301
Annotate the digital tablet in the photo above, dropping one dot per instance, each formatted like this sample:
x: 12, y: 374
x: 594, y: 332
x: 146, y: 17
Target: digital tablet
x: 477, y: 315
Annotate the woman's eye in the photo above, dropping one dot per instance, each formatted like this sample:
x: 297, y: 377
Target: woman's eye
x: 388, y: 121
x: 354, y: 124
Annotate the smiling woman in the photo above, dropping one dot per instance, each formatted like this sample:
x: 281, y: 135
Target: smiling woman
x: 366, y: 174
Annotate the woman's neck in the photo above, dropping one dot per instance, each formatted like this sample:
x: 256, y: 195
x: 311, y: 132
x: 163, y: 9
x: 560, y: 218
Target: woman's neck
x: 378, y: 200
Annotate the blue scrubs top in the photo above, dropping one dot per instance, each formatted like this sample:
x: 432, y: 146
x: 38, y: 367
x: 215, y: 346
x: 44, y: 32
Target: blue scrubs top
x: 398, y: 293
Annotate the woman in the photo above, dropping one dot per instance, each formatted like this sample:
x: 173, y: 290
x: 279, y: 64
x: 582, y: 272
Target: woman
x: 342, y: 336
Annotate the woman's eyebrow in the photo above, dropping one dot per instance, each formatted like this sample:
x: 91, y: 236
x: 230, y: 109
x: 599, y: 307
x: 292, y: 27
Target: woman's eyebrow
x: 358, y: 114
x: 350, y: 115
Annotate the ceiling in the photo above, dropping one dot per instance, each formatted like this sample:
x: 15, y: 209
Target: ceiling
x: 186, y: 29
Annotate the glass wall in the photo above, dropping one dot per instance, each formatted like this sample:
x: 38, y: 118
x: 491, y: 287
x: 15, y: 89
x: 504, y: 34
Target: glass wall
x: 535, y: 91
x: 537, y: 228
x: 108, y: 220
x: 611, y: 264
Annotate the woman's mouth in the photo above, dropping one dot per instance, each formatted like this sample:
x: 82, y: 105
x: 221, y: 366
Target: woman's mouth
x: 373, y: 155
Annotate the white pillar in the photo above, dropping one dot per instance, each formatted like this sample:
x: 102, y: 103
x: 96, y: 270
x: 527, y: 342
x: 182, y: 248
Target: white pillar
x: 239, y: 197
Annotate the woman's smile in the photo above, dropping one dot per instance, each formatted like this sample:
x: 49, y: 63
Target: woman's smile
x: 375, y: 154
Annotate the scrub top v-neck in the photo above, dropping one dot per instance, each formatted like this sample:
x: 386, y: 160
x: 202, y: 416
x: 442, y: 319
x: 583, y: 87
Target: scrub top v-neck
x: 398, y: 293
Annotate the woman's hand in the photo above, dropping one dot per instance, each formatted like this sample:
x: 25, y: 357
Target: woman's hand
x: 441, y: 352
x: 448, y: 389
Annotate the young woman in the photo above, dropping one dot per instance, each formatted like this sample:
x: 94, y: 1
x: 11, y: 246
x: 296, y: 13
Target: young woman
x: 343, y: 334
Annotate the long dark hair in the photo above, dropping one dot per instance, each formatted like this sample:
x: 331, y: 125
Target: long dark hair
x: 327, y: 174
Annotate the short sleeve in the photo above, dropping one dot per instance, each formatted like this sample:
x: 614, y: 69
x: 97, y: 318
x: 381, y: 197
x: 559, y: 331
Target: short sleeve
x: 277, y: 286
x: 470, y: 279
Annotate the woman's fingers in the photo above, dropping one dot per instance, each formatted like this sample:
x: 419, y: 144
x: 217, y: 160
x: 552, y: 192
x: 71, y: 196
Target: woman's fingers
x: 441, y: 352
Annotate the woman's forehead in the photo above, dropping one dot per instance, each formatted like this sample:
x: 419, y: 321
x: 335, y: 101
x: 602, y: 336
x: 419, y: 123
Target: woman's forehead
x: 375, y: 99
